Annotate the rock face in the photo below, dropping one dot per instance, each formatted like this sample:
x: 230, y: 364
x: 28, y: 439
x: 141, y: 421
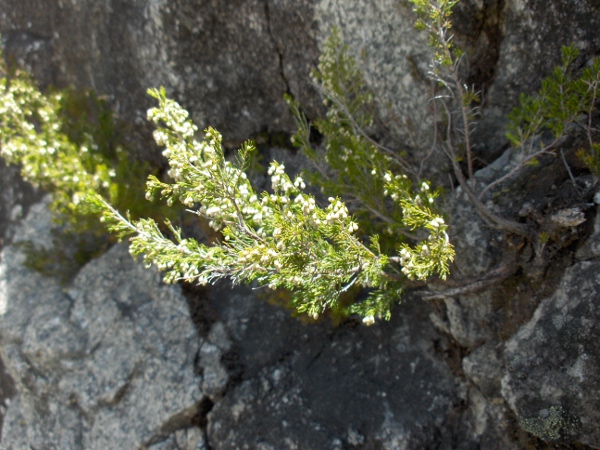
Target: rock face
x: 107, y: 362
x: 15, y: 198
x: 553, y: 362
x: 231, y: 62
x: 311, y: 386
x: 114, y: 360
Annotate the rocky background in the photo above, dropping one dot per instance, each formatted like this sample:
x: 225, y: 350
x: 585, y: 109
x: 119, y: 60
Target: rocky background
x: 116, y: 359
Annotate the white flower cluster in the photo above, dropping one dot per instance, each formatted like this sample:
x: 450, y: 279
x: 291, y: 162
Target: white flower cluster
x: 405, y: 257
x: 260, y: 257
x: 346, y: 153
x: 280, y: 182
x: 237, y: 197
x: 417, y: 262
x: 437, y: 222
x: 307, y: 204
x: 175, y: 118
x: 337, y: 211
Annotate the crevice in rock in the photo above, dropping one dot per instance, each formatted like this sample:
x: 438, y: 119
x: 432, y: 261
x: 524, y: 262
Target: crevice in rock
x: 7, y: 391
x: 279, y: 50
x: 235, y: 369
x: 187, y: 418
x: 32, y: 374
x: 203, y: 316
x: 200, y: 420
x: 482, y: 31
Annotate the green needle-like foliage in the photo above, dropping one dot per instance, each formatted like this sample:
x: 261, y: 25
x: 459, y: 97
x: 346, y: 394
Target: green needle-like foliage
x: 563, y: 100
x: 31, y: 135
x: 67, y: 143
x: 283, y: 239
x: 434, y: 17
x: 358, y: 169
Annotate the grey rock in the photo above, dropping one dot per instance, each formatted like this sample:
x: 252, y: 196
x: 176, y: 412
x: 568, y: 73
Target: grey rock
x: 55, y: 425
x: 394, y: 58
x: 553, y: 362
x: 484, y: 367
x: 317, y: 387
x: 568, y: 218
x: 215, y: 375
x: 468, y: 231
x: 470, y: 318
x: 186, y: 439
x: 16, y: 196
x: 591, y: 247
x: 488, y: 422
x: 108, y: 363
x: 524, y: 51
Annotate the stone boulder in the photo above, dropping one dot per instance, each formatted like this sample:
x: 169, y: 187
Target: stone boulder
x: 311, y: 385
x: 106, y: 362
x: 552, y: 362
x: 231, y: 62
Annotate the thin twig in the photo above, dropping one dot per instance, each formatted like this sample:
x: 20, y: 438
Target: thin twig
x: 493, y: 278
x: 492, y: 219
x: 544, y: 151
x: 564, y: 160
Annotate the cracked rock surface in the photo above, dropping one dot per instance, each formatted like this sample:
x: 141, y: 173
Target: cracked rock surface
x: 314, y: 386
x: 106, y: 362
x: 553, y: 362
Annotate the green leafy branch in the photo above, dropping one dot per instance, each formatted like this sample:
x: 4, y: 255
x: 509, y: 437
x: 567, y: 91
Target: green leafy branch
x: 31, y: 135
x: 559, y: 104
x: 357, y: 166
x: 68, y: 142
x: 564, y: 100
x: 282, y: 239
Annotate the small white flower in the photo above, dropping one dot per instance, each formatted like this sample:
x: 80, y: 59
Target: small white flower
x: 435, y: 223
x: 369, y: 320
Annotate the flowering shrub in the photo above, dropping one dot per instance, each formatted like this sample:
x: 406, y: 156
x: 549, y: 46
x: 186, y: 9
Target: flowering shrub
x: 280, y: 239
x: 378, y: 230
x: 284, y: 238
x: 31, y: 135
x: 67, y: 143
